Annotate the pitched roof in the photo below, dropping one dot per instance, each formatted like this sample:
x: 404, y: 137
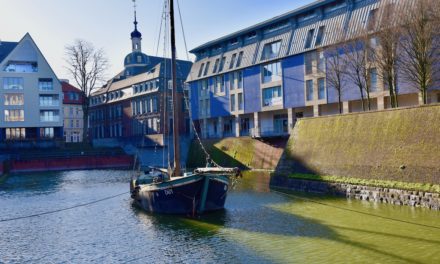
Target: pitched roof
x: 162, y: 68
x: 6, y: 48
x: 67, y: 87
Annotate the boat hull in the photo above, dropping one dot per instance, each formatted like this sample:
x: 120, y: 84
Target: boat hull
x: 188, y: 195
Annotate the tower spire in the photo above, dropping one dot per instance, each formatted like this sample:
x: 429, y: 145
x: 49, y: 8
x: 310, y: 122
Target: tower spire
x: 136, y: 36
x: 135, y: 20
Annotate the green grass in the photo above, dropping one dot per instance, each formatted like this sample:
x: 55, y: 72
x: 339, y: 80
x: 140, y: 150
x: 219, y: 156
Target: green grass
x: 425, y: 187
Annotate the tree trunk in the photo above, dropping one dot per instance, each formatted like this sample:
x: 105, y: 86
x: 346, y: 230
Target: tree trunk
x: 363, y: 100
x: 85, y: 107
x: 339, y: 101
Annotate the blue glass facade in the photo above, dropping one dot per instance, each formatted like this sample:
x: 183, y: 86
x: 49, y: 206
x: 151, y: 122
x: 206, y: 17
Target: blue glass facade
x: 288, y: 53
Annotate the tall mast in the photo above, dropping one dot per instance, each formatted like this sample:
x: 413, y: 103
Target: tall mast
x: 175, y: 99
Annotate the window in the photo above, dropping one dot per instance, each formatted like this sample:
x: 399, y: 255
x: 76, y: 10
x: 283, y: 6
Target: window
x: 49, y: 116
x: 71, y: 123
x: 138, y: 107
x: 240, y: 80
x: 202, y: 107
x: 232, y: 102
x: 321, y: 62
x: 222, y: 64
x: 321, y: 88
x: 49, y: 100
x: 207, y: 106
x: 231, y: 64
x: 204, y: 86
x: 201, y: 70
x: 239, y: 59
x: 215, y: 66
x: 47, y: 132
x: 309, y: 90
x: 14, y: 99
x: 14, y: 115
x: 21, y: 66
x: 206, y: 69
x: 320, y: 36
x: 308, y: 63
x: 45, y: 84
x: 309, y: 39
x: 139, y: 58
x: 251, y: 35
x: 271, y: 50
x: 232, y: 76
x: 15, y: 133
x: 154, y: 104
x: 271, y: 72
x: 374, y: 42
x: 272, y: 96
x: 373, y: 80
x: 277, y: 26
x: 372, y: 19
x: 73, y: 96
x: 220, y: 84
x: 240, y: 101
x: 13, y: 83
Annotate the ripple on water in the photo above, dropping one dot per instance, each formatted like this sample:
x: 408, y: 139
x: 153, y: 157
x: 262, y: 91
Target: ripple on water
x: 258, y: 226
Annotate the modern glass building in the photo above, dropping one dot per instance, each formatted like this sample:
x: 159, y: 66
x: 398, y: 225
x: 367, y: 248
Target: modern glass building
x: 259, y: 80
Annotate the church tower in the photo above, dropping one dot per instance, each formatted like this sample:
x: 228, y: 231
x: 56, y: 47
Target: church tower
x: 136, y: 62
x: 136, y: 36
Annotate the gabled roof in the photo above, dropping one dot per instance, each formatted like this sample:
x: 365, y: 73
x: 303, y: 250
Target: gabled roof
x: 162, y: 69
x: 6, y: 48
x: 67, y: 87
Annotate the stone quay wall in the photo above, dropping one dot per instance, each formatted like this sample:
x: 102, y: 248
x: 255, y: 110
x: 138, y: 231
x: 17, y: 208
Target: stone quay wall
x: 359, y: 192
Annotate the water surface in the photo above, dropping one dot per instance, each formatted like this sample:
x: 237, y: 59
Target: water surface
x: 257, y: 226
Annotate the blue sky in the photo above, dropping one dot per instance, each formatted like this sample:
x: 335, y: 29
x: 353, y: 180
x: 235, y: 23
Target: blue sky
x: 107, y: 23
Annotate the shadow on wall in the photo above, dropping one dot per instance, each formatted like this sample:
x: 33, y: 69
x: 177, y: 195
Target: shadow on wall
x: 288, y: 165
x: 197, y: 157
x: 244, y: 152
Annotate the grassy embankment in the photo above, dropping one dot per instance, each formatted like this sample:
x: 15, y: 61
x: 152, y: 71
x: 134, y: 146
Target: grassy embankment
x: 244, y: 152
x: 391, y: 149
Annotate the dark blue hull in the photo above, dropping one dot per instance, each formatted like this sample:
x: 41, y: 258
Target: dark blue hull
x: 183, y: 195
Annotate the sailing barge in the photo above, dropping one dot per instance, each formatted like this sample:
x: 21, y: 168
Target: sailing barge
x: 167, y: 191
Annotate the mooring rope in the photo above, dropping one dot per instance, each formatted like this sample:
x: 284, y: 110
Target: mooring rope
x: 62, y: 209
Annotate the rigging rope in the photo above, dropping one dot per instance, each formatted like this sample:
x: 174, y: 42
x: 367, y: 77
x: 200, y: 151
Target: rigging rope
x: 62, y: 209
x: 162, y: 18
x: 186, y: 99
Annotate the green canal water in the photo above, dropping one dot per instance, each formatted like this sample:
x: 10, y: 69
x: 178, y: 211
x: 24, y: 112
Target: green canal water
x: 259, y: 225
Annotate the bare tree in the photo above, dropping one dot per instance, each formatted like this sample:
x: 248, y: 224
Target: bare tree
x: 357, y: 58
x: 336, y: 70
x: 386, y: 56
x: 87, y: 66
x: 421, y: 45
